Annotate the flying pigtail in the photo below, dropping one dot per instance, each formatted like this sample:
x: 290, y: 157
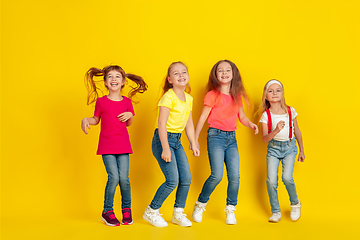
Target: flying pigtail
x: 140, y: 87
x: 91, y: 86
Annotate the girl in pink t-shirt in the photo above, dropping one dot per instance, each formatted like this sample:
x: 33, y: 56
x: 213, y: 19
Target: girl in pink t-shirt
x: 116, y: 113
x: 222, y: 106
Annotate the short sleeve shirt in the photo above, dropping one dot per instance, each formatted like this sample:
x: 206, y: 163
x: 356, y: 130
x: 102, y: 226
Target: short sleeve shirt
x: 223, y: 114
x: 114, y: 137
x: 283, y: 135
x: 179, y: 111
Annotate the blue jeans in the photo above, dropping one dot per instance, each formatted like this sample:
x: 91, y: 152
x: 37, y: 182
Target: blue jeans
x: 176, y: 172
x: 117, y: 168
x: 222, y: 148
x: 277, y: 151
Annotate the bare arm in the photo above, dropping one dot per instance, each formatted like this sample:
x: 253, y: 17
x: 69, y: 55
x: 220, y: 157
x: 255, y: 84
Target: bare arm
x: 126, y: 117
x: 299, y: 139
x: 86, y: 122
x: 190, y: 133
x: 163, y: 117
x: 268, y: 136
x: 246, y: 122
x: 204, y: 115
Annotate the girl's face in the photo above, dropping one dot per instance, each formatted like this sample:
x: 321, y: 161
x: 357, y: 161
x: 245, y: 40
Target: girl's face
x: 274, y: 93
x: 178, y: 76
x: 224, y: 73
x: 114, y: 81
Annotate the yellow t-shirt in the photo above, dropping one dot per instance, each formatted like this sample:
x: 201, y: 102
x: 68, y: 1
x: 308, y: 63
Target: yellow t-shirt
x: 179, y: 111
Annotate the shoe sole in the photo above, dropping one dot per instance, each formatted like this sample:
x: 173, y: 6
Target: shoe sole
x: 109, y: 224
x: 181, y: 225
x: 273, y: 221
x: 148, y: 220
x: 126, y: 223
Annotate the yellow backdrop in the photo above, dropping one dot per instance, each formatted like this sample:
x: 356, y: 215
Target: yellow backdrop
x: 52, y: 182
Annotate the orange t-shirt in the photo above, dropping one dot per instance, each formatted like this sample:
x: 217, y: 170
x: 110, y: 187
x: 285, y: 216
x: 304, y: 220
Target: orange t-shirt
x: 223, y: 114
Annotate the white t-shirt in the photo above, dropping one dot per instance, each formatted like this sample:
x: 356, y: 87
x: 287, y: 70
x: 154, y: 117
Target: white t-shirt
x: 283, y: 135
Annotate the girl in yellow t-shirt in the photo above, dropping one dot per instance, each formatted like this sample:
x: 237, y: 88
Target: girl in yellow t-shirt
x: 175, y: 115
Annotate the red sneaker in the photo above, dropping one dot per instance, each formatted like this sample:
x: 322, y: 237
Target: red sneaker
x: 127, y: 219
x: 110, y: 219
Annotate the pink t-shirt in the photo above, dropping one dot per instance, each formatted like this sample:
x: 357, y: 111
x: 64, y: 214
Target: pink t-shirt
x: 114, y: 137
x: 223, y: 114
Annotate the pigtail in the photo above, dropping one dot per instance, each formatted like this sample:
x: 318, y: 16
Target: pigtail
x: 140, y: 87
x: 91, y: 86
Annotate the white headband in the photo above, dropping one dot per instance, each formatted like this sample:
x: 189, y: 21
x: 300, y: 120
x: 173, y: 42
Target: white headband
x: 272, y: 82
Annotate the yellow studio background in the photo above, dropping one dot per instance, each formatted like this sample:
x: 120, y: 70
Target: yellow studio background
x: 52, y: 182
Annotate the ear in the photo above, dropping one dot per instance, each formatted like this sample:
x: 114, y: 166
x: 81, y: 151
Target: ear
x: 168, y: 79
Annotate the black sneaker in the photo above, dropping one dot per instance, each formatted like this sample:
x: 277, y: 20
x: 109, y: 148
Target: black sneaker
x: 127, y: 219
x: 110, y: 219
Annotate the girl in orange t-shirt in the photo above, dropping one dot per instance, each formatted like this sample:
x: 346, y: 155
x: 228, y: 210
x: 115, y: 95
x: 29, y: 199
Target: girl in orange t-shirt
x: 222, y: 106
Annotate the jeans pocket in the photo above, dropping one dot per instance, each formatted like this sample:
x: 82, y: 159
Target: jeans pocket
x: 212, y: 132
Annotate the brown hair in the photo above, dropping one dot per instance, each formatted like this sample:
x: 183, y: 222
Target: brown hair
x: 94, y: 91
x: 237, y: 89
x: 168, y: 85
x: 265, y: 104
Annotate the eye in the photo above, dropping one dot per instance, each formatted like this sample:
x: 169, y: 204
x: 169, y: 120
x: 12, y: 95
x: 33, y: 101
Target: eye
x: 184, y: 72
x: 228, y: 70
x: 176, y: 73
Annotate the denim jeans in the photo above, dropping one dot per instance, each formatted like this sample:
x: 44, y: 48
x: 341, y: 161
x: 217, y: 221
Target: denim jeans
x: 222, y: 148
x: 176, y: 172
x: 117, y: 168
x: 277, y: 151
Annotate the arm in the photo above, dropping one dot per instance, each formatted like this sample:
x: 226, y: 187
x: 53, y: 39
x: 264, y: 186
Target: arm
x: 126, y: 117
x: 86, y: 122
x: 204, y: 115
x: 298, y: 136
x: 163, y: 117
x: 190, y: 133
x: 268, y: 136
x: 246, y: 122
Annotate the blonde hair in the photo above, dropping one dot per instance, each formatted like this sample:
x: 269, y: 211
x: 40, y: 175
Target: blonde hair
x: 168, y: 85
x: 265, y: 104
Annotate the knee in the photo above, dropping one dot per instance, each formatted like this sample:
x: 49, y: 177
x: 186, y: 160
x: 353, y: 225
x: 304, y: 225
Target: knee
x: 287, y: 180
x: 113, y: 179
x: 272, y: 183
x: 235, y: 178
x: 172, y: 183
x: 124, y: 179
x: 215, y: 178
x: 185, y: 181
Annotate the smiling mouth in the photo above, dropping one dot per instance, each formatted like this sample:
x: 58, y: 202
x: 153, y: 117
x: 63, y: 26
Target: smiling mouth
x: 113, y: 84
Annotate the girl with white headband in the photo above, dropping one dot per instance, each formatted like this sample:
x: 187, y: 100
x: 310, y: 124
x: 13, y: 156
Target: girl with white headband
x: 279, y: 125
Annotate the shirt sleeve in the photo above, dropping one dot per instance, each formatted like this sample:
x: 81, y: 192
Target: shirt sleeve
x: 264, y: 118
x: 293, y: 113
x: 130, y: 107
x: 166, y: 101
x: 209, y: 99
x: 97, y: 112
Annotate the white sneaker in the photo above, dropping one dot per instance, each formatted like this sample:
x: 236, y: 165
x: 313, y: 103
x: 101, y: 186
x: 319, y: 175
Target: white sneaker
x: 198, y: 211
x: 295, y: 212
x: 179, y: 218
x: 230, y: 215
x: 276, y: 217
x: 154, y: 217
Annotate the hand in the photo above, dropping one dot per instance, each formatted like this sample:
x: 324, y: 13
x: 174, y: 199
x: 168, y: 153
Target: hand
x: 166, y: 155
x: 123, y: 117
x: 254, y: 127
x: 280, y: 126
x: 197, y: 144
x: 84, y: 125
x: 301, y: 157
x: 195, y: 149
